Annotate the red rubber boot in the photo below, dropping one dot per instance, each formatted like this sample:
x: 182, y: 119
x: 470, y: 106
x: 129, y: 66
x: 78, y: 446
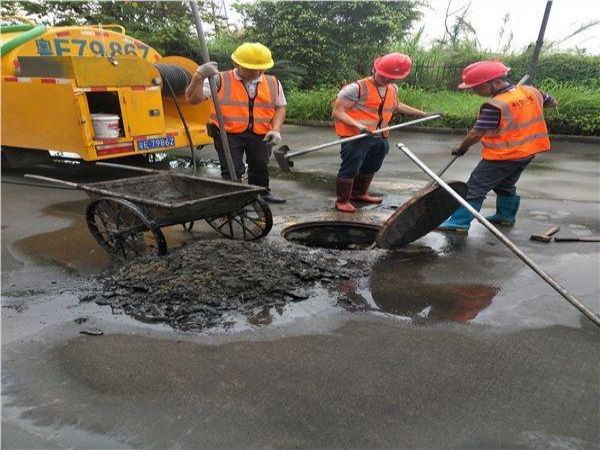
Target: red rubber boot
x: 343, y: 188
x: 361, y: 186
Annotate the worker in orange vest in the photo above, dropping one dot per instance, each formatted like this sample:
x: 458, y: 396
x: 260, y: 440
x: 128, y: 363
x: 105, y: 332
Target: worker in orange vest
x: 512, y: 130
x: 363, y: 107
x: 253, y: 106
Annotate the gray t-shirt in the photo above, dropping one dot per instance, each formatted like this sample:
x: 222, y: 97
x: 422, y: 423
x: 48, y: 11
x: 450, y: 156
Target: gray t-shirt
x: 350, y: 92
x: 250, y: 87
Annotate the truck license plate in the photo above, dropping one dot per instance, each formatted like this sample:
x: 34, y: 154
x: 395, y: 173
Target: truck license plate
x: 154, y: 143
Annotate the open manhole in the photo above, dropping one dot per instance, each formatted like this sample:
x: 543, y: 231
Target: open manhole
x: 422, y: 213
x: 339, y: 235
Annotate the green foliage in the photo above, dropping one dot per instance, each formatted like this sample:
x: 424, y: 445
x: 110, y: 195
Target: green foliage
x: 164, y: 26
x: 561, y: 67
x: 578, y: 112
x: 315, y: 104
x: 334, y: 42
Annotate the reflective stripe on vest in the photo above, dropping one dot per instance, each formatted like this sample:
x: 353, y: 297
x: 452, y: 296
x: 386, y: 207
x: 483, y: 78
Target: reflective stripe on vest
x: 241, y: 113
x: 370, y: 109
x: 522, y: 132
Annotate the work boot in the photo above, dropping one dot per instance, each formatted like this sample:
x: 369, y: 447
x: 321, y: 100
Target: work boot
x: 270, y: 198
x: 360, y: 188
x: 506, y: 210
x: 343, y: 188
x: 460, y: 221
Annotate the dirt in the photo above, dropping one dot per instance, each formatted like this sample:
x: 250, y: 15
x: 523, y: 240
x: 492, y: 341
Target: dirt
x: 194, y: 287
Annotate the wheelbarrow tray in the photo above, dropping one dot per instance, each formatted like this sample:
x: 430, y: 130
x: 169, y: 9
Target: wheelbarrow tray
x: 171, y: 198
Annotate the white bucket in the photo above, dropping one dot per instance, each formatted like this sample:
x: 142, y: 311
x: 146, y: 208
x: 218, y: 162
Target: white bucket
x: 106, y: 126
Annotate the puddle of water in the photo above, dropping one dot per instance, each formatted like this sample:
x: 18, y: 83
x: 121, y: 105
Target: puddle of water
x: 74, y: 248
x: 420, y: 282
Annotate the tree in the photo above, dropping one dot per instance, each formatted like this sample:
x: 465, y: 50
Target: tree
x: 166, y: 26
x: 334, y: 42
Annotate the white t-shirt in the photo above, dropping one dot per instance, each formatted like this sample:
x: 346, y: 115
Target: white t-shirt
x: 250, y: 87
x: 350, y: 92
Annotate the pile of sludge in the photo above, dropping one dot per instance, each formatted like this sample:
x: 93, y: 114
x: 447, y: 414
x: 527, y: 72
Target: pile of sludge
x: 192, y: 287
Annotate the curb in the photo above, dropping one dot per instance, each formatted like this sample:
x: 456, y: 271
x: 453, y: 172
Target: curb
x: 451, y: 131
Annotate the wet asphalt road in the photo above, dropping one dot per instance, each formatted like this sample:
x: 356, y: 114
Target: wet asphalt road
x: 459, y: 345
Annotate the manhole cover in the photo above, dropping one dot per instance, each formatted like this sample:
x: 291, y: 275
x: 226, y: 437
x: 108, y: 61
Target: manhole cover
x: 423, y: 213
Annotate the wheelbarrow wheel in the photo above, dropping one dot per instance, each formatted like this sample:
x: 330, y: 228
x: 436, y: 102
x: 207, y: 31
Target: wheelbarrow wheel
x: 123, y: 229
x: 250, y: 223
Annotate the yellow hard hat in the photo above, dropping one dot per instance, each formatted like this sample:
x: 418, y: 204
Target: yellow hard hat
x: 252, y: 55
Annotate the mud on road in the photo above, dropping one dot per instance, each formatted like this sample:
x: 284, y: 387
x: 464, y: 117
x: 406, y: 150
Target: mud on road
x: 193, y: 287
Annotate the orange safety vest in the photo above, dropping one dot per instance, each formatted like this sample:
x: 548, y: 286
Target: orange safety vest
x: 240, y: 112
x: 522, y: 132
x: 371, y: 109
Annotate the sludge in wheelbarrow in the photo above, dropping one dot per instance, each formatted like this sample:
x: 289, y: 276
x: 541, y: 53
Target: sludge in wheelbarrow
x: 125, y: 216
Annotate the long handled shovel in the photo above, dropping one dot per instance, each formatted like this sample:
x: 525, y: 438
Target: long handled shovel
x: 283, y: 155
x: 213, y: 90
x: 512, y: 247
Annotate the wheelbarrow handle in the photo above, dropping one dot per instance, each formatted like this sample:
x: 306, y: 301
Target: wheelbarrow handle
x: 360, y: 136
x: 53, y: 180
x: 127, y: 167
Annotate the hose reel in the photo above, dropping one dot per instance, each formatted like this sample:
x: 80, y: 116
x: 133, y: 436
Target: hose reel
x: 178, y: 77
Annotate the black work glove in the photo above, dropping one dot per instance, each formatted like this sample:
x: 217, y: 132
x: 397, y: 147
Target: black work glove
x: 459, y: 151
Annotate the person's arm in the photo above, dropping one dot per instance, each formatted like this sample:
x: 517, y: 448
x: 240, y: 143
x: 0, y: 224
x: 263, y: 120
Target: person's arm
x: 473, y: 137
x: 549, y: 100
x: 278, y: 118
x: 274, y: 135
x: 487, y: 122
x: 195, y: 91
x: 341, y: 107
x: 410, y: 111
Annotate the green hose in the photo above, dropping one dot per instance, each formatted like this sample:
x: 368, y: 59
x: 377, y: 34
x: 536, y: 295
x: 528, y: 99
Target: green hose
x: 21, y: 39
x: 16, y: 28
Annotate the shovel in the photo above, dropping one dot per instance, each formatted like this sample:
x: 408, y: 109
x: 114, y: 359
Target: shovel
x: 283, y: 155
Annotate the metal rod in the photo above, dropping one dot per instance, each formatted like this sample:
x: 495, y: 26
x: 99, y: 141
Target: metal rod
x: 213, y: 90
x: 540, y: 39
x: 512, y: 247
x: 360, y: 136
x: 441, y: 172
x: 105, y: 192
x: 127, y: 167
x: 52, y: 180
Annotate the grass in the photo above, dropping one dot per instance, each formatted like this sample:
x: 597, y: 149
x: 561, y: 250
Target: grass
x: 578, y: 112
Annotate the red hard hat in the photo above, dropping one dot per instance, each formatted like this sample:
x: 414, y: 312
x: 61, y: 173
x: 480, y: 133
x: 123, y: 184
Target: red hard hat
x: 481, y: 72
x: 395, y: 66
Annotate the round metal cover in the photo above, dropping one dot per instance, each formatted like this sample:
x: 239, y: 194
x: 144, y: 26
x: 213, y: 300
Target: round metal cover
x: 418, y: 216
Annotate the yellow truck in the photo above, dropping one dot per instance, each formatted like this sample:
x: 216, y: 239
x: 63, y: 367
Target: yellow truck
x: 95, y: 92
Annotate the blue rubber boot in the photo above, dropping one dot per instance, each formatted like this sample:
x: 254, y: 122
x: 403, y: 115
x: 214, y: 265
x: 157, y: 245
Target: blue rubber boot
x: 506, y: 210
x: 460, y: 221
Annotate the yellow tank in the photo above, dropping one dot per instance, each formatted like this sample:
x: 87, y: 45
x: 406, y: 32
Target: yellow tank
x: 93, y: 91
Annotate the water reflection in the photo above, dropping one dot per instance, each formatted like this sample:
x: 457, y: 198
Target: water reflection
x: 454, y: 285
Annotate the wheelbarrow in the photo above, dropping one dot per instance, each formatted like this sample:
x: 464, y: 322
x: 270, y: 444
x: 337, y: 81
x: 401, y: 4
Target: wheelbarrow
x: 125, y: 216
